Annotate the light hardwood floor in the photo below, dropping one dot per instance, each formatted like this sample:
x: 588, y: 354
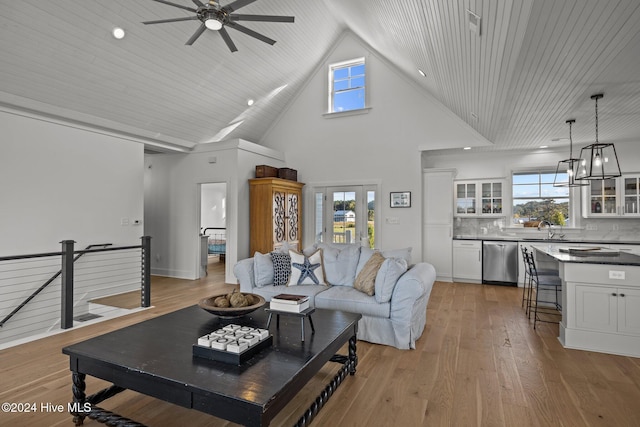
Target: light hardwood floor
x: 478, y: 363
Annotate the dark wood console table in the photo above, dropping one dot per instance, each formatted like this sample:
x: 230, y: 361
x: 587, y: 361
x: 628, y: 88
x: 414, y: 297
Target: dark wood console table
x: 155, y: 358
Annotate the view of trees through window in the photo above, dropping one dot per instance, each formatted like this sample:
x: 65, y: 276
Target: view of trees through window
x: 536, y: 199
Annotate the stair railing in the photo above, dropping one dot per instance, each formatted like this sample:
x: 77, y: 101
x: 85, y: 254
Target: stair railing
x: 66, y: 272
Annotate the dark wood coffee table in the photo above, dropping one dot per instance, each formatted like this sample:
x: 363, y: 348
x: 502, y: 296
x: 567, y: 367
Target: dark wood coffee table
x: 155, y: 358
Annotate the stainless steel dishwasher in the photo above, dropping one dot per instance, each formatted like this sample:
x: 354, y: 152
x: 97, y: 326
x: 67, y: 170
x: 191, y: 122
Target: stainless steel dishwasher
x: 500, y: 263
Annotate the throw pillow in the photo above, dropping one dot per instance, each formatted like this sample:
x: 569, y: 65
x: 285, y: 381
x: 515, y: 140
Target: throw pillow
x: 306, y: 270
x: 366, y: 280
x: 340, y: 263
x: 281, y: 268
x: 262, y: 269
x: 389, y: 273
x: 365, y: 254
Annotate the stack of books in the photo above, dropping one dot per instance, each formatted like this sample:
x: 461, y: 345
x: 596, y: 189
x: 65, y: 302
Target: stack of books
x: 290, y: 303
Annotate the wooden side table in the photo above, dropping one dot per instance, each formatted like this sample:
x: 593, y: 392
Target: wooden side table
x: 302, y: 315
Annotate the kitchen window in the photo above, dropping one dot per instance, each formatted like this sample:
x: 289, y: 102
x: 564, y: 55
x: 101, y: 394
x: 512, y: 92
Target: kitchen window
x: 536, y: 199
x: 347, y: 86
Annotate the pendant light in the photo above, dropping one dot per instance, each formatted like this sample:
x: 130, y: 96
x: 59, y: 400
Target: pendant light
x: 598, y: 161
x: 568, y: 167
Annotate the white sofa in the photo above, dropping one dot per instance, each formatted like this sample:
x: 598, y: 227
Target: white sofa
x: 395, y: 315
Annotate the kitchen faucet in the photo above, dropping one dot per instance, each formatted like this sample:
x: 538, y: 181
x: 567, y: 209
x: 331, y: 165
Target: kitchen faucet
x: 550, y: 233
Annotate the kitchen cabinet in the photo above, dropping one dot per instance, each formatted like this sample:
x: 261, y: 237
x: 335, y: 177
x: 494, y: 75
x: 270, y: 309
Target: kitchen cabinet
x: 479, y: 198
x: 608, y: 309
x: 614, y: 197
x: 437, y: 187
x: 275, y: 214
x: 467, y: 261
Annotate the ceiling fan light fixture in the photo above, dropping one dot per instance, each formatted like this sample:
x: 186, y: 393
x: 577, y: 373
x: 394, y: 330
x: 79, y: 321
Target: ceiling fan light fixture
x: 598, y: 161
x: 212, y: 23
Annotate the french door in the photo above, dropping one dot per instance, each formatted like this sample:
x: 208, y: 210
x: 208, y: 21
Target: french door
x: 345, y: 214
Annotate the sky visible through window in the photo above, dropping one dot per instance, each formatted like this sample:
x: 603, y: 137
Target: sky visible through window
x: 348, y: 87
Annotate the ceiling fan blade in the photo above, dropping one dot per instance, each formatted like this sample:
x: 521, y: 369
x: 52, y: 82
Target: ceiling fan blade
x: 197, y: 34
x: 162, y: 21
x: 227, y: 39
x: 265, y: 18
x: 198, y: 3
x: 237, y: 5
x: 179, y: 6
x: 251, y: 33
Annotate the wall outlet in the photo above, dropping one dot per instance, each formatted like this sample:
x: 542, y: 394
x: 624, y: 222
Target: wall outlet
x: 618, y: 275
x: 392, y: 220
x: 592, y: 227
x: 615, y: 227
x: 124, y: 221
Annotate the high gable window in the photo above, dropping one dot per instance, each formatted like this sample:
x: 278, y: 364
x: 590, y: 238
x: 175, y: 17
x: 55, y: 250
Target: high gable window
x: 347, y: 86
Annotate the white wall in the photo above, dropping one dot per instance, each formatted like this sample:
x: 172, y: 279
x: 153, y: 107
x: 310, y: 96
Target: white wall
x: 172, y: 198
x: 213, y: 205
x: 381, y: 146
x: 60, y: 182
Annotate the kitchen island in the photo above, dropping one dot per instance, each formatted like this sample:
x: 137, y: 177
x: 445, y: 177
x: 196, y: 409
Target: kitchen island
x: 600, y: 298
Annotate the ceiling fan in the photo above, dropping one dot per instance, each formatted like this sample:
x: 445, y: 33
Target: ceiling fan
x: 215, y: 17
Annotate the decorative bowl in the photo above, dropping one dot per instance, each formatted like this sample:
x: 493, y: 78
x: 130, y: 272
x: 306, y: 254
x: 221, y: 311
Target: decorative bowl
x: 207, y: 304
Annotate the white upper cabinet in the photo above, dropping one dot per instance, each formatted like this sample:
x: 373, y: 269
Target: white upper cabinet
x: 478, y: 198
x: 612, y: 197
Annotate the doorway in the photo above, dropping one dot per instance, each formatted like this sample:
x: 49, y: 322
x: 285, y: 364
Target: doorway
x: 213, y: 225
x: 346, y: 214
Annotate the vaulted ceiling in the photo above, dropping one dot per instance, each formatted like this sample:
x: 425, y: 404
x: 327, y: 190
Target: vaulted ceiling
x: 529, y: 65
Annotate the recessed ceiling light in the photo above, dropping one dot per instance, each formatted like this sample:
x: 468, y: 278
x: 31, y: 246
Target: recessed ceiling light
x: 422, y: 73
x: 467, y: 148
x: 250, y: 102
x: 544, y: 146
x: 118, y: 33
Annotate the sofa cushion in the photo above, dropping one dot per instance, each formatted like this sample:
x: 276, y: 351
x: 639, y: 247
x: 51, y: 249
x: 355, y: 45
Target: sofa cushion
x: 366, y: 279
x: 262, y: 269
x: 389, y: 273
x: 281, y: 268
x: 349, y: 299
x: 340, y: 263
x: 306, y: 270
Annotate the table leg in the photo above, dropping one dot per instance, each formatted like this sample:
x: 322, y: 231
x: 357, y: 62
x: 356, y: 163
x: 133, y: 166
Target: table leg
x: 353, y: 357
x: 79, y: 396
x: 313, y: 330
x: 269, y: 320
x: 302, y: 327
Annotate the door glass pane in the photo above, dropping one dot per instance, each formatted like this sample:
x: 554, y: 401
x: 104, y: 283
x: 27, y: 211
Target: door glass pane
x: 371, y: 218
x: 319, y: 197
x: 344, y: 216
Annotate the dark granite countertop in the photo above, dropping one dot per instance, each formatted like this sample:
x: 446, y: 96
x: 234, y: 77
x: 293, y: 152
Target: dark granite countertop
x: 589, y: 257
x: 538, y: 240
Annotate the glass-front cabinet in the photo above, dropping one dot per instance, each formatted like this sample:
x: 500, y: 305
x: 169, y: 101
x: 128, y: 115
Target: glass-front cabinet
x: 491, y: 197
x: 478, y: 198
x: 612, y: 197
x: 465, y: 198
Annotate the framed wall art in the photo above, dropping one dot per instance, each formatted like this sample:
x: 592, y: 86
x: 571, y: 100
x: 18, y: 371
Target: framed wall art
x: 400, y: 199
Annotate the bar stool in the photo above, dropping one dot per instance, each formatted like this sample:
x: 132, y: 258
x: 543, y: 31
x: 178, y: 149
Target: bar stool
x: 543, y: 282
x: 528, y: 280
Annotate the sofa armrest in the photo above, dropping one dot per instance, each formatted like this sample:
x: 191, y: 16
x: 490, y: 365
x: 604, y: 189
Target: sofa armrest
x: 412, y: 287
x: 243, y: 271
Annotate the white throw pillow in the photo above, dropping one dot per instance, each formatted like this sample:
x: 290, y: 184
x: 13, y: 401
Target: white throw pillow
x: 389, y: 273
x: 306, y: 270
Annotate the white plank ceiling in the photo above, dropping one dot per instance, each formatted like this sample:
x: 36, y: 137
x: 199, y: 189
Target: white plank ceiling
x: 534, y: 64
